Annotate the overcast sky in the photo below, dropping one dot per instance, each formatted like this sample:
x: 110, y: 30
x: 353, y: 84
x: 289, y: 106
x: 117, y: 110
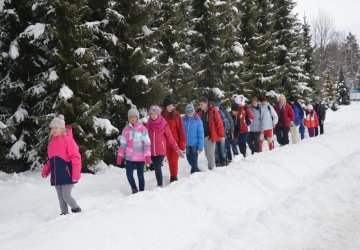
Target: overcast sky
x: 344, y: 12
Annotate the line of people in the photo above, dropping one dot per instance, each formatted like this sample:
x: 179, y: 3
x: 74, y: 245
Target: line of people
x: 222, y: 134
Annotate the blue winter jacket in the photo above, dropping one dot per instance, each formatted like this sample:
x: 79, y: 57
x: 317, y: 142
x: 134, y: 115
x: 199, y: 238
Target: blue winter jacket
x: 194, y: 131
x: 298, y: 119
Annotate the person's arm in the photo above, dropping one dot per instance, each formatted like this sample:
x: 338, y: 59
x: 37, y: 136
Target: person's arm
x: 170, y: 139
x: 181, y: 132
x: 291, y: 114
x: 146, y: 142
x: 75, y: 158
x: 274, y: 115
x: 200, y: 133
x: 219, y: 124
x: 46, y: 170
x: 123, y: 144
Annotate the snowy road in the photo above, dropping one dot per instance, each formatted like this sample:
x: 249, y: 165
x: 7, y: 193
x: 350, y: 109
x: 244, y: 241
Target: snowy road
x: 304, y: 196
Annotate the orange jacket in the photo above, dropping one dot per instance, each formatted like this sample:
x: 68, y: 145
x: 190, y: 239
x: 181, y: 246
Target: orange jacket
x: 311, y: 120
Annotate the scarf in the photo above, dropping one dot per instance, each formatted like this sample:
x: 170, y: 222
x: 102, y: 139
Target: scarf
x: 158, y: 124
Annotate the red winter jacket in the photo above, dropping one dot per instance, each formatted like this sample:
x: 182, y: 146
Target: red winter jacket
x: 159, y: 139
x: 216, y: 125
x: 177, y: 128
x: 288, y: 115
x: 242, y: 113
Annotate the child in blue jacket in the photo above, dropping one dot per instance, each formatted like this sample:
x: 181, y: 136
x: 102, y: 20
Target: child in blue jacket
x: 194, y: 131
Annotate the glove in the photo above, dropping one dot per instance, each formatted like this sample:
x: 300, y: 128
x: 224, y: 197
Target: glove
x: 119, y: 160
x: 180, y: 153
x: 148, y: 160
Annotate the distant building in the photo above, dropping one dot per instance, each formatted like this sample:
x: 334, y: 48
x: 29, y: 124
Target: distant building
x: 355, y: 95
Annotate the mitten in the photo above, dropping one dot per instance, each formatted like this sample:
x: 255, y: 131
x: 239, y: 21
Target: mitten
x: 148, y: 160
x: 119, y: 160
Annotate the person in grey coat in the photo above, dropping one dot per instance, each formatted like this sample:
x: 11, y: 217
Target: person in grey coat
x: 253, y: 139
x: 269, y: 119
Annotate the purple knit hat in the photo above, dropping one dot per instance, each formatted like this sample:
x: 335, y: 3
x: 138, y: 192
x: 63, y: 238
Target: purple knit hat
x: 154, y: 109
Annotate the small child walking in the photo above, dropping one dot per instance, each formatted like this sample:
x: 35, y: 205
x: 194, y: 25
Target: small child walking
x: 194, y: 131
x: 311, y: 120
x: 135, y: 148
x: 64, y: 164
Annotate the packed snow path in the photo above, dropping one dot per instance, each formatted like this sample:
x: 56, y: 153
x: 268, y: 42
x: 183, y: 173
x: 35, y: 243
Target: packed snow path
x: 304, y: 196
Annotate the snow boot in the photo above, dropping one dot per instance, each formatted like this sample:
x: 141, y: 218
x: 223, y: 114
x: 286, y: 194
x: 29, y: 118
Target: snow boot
x: 173, y: 178
x: 76, y: 210
x: 134, y: 191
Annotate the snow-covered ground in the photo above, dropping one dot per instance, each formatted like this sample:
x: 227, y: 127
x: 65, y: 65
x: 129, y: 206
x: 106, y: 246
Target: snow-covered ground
x: 304, y: 196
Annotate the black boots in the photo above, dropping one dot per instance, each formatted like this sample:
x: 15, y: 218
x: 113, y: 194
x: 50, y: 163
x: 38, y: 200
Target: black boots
x: 173, y: 178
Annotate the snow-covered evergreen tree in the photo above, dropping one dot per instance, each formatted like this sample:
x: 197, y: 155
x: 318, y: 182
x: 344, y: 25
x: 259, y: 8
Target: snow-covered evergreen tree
x: 289, y: 57
x: 343, y: 90
x: 352, y: 58
x: 217, y: 53
x: 329, y: 90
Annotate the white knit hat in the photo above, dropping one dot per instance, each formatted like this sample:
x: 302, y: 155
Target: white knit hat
x: 135, y: 112
x: 309, y: 107
x: 58, y: 122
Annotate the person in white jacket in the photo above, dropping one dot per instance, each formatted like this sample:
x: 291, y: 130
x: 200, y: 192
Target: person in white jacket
x: 269, y: 119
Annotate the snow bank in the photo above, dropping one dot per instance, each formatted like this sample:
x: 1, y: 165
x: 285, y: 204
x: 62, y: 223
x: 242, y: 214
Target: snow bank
x: 303, y: 196
x: 35, y: 30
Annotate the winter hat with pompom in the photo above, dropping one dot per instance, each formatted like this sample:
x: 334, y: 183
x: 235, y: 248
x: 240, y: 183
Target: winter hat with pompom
x: 58, y: 122
x: 133, y: 112
x: 309, y: 107
x: 239, y: 99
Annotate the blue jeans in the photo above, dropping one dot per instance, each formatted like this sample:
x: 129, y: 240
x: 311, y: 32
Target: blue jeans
x: 192, y: 157
x: 242, y: 143
x: 130, y: 167
x: 157, y: 162
x: 302, y: 131
x: 220, y: 154
x: 234, y: 146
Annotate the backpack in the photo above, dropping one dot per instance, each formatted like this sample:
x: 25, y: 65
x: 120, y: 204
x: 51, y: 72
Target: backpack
x: 226, y: 122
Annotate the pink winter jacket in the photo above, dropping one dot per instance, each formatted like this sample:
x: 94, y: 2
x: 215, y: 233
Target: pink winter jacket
x: 64, y: 162
x: 159, y: 139
x: 134, y: 143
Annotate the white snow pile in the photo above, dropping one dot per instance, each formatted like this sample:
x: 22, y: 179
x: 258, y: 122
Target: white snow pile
x: 218, y: 92
x: 304, y: 196
x: 65, y: 92
x: 14, y: 50
x: 105, y: 125
x: 80, y: 52
x: 20, y: 115
x: 35, y: 30
x: 53, y: 76
x: 16, y: 149
x: 141, y: 78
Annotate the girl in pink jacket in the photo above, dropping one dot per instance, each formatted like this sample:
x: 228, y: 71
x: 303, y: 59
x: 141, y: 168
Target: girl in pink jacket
x: 135, y: 148
x: 160, y: 136
x: 64, y: 164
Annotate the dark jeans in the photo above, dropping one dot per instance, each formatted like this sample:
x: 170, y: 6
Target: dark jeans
x: 242, y: 139
x: 234, y: 147
x: 282, y: 135
x: 302, y: 131
x: 130, y: 167
x: 228, y: 149
x: 157, y: 162
x: 192, y: 157
x: 253, y: 141
x: 321, y: 130
x: 220, y: 154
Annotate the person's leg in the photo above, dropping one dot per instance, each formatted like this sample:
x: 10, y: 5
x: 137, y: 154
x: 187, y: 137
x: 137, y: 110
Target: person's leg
x: 250, y: 142
x: 269, y: 137
x: 321, y: 129
x: 228, y: 150
x: 158, y: 161
x: 188, y: 156
x: 261, y: 141
x: 296, y: 134
x: 173, y: 159
x: 66, y: 192
x: 242, y: 143
x: 316, y: 131
x: 256, y: 141
x: 209, y: 147
x: 194, y: 158
x: 63, y: 205
x: 234, y: 146
x: 285, y: 132
x: 302, y: 131
x: 218, y: 153
x: 223, y: 161
x: 140, y: 174
x: 311, y: 132
x: 279, y: 135
x: 130, y: 165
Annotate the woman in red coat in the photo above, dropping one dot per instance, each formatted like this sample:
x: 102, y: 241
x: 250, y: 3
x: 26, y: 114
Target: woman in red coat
x: 174, y: 120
